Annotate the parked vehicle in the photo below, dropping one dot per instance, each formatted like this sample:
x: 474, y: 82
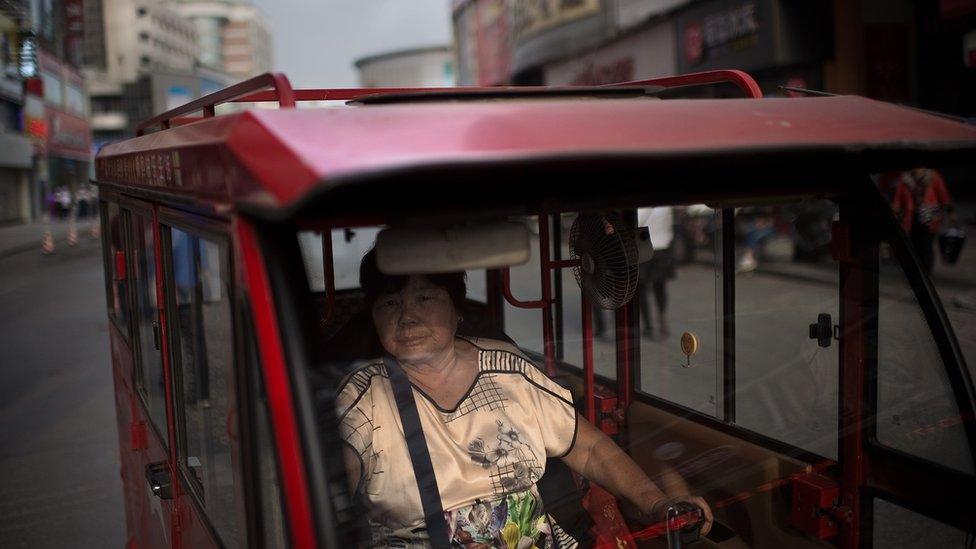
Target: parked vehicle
x: 834, y: 413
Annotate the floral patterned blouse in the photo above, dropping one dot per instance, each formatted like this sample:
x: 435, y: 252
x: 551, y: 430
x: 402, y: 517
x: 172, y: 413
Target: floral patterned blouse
x: 488, y: 453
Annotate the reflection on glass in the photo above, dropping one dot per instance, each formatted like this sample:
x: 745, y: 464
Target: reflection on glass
x: 917, y: 410
x: 786, y: 383
x: 151, y: 364
x: 679, y: 292
x: 204, y: 339
x: 118, y: 298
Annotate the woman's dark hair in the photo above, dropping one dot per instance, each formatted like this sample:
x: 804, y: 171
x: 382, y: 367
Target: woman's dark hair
x: 375, y: 283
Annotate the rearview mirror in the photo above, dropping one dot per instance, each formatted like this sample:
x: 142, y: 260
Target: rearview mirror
x: 430, y: 250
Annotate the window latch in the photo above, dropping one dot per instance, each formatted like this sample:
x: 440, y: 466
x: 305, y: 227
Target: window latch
x: 823, y: 330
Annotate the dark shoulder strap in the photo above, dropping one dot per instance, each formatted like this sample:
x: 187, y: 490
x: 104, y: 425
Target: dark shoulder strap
x: 430, y: 496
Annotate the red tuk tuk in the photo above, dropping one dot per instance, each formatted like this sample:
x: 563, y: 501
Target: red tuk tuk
x: 811, y: 404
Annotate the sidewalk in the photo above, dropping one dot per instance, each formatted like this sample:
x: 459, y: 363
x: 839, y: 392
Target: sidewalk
x: 16, y: 239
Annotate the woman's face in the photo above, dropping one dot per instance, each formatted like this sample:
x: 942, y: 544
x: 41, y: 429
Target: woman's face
x: 418, y: 322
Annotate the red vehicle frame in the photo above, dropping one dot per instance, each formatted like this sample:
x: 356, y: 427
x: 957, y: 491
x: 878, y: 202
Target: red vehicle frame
x: 235, y: 171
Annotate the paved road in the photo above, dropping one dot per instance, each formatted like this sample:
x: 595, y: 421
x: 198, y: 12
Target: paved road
x: 59, y: 465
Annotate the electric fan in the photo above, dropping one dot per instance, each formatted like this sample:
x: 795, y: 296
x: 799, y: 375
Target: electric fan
x: 608, y: 256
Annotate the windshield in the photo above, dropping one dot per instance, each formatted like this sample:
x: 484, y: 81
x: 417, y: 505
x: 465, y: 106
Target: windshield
x: 701, y: 342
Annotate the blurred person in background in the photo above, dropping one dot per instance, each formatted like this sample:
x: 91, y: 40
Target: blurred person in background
x: 654, y: 274
x: 756, y: 225
x: 921, y: 203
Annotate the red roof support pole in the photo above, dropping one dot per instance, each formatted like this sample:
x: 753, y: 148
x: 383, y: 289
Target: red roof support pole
x: 277, y: 383
x: 858, y: 309
x: 548, y: 333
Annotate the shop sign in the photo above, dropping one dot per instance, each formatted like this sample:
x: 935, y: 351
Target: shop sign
x: 69, y: 136
x: 35, y: 122
x: 483, y: 43
x: 592, y: 74
x: 530, y: 17
x: 727, y: 33
x: 492, y: 46
x: 74, y: 31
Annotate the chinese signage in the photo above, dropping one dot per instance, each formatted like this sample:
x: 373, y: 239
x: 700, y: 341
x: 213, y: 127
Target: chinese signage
x: 735, y: 28
x: 74, y: 32
x: 529, y: 17
x: 483, y: 43
x: 728, y: 33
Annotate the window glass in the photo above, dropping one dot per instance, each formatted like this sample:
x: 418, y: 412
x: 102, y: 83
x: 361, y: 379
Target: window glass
x: 917, y: 410
x: 938, y: 233
x: 150, y: 372
x: 52, y: 88
x: 785, y: 382
x: 118, y: 299
x: 680, y: 291
x: 203, y: 348
x: 75, y: 100
x: 348, y: 248
x: 525, y: 325
x: 604, y: 324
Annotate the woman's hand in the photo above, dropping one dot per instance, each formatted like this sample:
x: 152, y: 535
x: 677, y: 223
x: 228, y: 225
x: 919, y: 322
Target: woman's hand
x: 655, y: 510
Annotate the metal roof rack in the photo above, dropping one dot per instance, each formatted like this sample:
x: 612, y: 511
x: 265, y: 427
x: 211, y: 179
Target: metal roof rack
x: 256, y: 90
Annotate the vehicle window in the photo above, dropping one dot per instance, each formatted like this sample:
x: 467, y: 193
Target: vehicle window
x: 271, y: 519
x: 680, y: 292
x: 349, y: 245
x: 525, y: 325
x: 202, y: 332
x: 604, y: 323
x: 944, y: 245
x: 152, y: 383
x: 917, y: 410
x: 896, y: 528
x: 785, y: 382
x: 118, y: 286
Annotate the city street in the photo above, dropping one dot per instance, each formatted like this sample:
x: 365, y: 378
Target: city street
x: 59, y: 464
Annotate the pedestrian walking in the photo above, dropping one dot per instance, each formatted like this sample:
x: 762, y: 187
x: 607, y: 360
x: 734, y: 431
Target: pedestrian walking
x: 921, y: 203
x: 655, y: 274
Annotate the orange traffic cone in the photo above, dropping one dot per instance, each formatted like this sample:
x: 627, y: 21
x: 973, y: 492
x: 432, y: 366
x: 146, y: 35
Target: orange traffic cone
x: 47, y: 243
x: 96, y: 229
x: 72, y: 235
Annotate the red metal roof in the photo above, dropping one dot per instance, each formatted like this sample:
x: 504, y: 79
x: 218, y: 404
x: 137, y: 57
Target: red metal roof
x: 279, y: 156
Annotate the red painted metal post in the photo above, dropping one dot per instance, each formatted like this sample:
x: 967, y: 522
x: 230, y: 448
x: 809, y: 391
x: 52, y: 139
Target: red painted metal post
x: 291, y: 462
x: 586, y: 310
x: 511, y: 299
x: 548, y: 335
x: 858, y: 281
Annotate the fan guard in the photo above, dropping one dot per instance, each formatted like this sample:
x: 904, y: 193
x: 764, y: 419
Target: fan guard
x: 607, y: 255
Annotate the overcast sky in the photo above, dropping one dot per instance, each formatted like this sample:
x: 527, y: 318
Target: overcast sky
x: 316, y: 41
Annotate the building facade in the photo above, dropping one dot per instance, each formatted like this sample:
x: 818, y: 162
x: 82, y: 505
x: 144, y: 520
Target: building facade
x: 143, y: 59
x: 16, y: 150
x: 921, y: 53
x: 233, y: 36
x: 54, y: 113
x: 416, y: 67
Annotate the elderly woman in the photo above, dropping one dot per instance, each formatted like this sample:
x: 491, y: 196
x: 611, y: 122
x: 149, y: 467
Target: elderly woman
x: 490, y: 419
